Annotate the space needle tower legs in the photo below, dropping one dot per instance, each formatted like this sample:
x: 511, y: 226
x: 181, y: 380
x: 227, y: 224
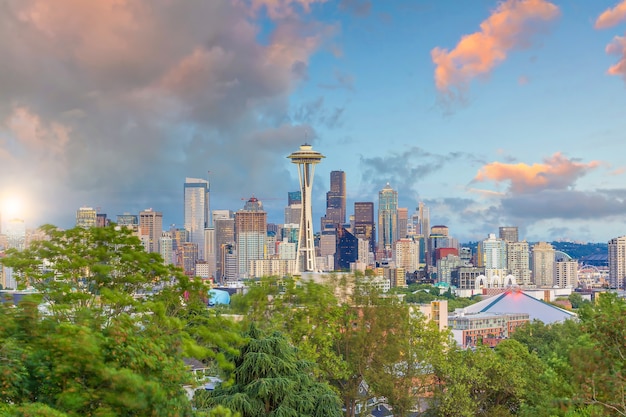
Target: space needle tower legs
x: 306, y: 159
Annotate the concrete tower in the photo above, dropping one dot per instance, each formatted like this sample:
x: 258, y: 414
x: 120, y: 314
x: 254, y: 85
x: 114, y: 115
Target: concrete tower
x: 306, y: 158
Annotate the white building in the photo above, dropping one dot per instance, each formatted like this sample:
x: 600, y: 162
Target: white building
x: 196, y: 195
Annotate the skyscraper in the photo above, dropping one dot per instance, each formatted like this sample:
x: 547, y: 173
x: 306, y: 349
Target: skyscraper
x: 197, y: 219
x: 424, y: 219
x: 617, y: 262
x: 224, y: 239
x: 306, y: 159
x: 336, y: 198
x: 364, y: 226
x: 150, y: 229
x: 543, y: 264
x: 403, y: 222
x: 250, y: 233
x: 509, y: 233
x: 387, y: 220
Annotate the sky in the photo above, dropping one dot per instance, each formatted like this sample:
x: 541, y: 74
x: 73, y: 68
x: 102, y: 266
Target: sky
x: 491, y: 113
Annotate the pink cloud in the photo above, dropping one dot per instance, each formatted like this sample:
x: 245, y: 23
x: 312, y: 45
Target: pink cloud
x: 618, y: 47
x: 612, y: 17
x: 509, y: 27
x: 556, y: 172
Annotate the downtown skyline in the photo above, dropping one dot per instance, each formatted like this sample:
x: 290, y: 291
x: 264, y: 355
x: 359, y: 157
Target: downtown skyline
x: 492, y: 114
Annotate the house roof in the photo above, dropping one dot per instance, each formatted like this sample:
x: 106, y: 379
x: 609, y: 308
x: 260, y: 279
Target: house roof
x: 517, y: 301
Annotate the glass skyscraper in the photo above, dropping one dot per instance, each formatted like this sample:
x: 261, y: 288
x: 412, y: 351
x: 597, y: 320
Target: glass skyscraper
x: 197, y: 211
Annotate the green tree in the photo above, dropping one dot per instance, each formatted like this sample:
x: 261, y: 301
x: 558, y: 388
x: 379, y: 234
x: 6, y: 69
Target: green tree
x: 485, y: 382
x: 599, y: 360
x: 107, y: 332
x: 103, y: 269
x: 270, y: 380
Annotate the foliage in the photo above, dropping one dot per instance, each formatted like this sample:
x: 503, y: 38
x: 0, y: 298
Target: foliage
x: 485, y: 382
x: 101, y: 269
x: 599, y: 364
x: 107, y: 332
x: 269, y: 379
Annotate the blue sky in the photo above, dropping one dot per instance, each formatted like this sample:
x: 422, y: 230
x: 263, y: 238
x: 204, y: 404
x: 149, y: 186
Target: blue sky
x: 492, y: 113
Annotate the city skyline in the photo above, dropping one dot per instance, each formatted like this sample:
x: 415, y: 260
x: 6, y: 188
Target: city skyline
x: 491, y: 113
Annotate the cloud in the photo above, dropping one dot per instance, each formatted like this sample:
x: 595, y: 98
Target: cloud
x: 511, y: 26
x: 618, y: 47
x: 359, y: 8
x: 404, y: 170
x: 114, y: 103
x: 556, y: 172
x: 281, y: 9
x: 564, y: 204
x: 612, y: 17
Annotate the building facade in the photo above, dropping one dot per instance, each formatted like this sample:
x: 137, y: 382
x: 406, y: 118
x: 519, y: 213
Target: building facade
x: 543, y: 264
x: 387, y: 220
x: 196, y: 195
x: 617, y: 262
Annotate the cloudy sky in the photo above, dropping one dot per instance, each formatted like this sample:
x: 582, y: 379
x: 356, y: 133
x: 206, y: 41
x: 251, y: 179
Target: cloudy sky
x: 492, y: 113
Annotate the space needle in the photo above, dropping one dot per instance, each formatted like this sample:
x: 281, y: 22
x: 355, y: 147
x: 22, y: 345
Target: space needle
x: 306, y: 159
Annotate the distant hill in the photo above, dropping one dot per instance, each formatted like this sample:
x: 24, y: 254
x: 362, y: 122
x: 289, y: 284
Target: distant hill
x: 582, y: 250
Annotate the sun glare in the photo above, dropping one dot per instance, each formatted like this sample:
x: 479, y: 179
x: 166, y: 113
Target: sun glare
x: 11, y: 207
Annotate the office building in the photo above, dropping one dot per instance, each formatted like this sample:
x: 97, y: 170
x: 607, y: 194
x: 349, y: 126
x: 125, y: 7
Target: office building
x: 166, y: 247
x: 424, y: 219
x: 250, y: 233
x: 224, y: 223
x: 150, y: 229
x: 543, y: 264
x: 509, y: 233
x: 86, y: 217
x: 387, y: 221
x: 306, y: 159
x: 347, y: 251
x: 364, y: 226
x: 336, y: 198
x: 617, y: 262
x: 196, y: 200
x: 403, y: 222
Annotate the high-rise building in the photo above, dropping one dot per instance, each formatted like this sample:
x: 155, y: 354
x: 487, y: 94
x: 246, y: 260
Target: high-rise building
x: 492, y: 253
x: 387, y: 220
x: 347, y: 251
x: 364, y: 226
x: 15, y: 231
x: 566, y: 273
x: 250, y: 233
x: 617, y: 262
x: 86, y: 217
x: 407, y: 254
x: 424, y: 219
x: 150, y: 229
x: 224, y: 240
x: 197, y: 218
x: 306, y: 159
x: 509, y: 233
x: 403, y: 222
x: 101, y: 220
x: 166, y: 247
x: 336, y: 198
x: 543, y: 264
x: 517, y: 255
